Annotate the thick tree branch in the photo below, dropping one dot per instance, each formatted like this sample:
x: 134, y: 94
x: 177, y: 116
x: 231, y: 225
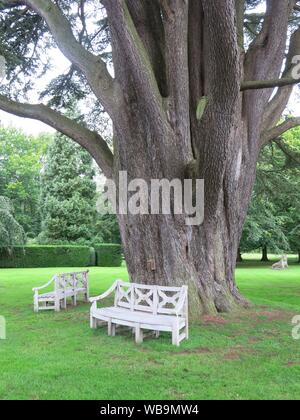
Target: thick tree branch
x: 91, y: 66
x: 240, y: 12
x: 279, y: 130
x: 279, y: 102
x: 147, y: 18
x: 265, y: 55
x: 268, y: 84
x: 127, y: 37
x: 196, y: 67
x: 90, y: 140
x: 176, y: 21
x: 222, y: 83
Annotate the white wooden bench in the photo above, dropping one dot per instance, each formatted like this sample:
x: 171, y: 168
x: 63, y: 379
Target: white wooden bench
x: 143, y: 307
x: 66, y: 285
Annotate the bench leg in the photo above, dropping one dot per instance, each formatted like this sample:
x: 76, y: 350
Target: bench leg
x: 64, y: 303
x: 93, y: 322
x: 186, y: 330
x: 86, y: 297
x: 175, y: 335
x: 57, y: 305
x: 36, y: 304
x: 109, y: 327
x: 138, y: 334
x: 157, y: 333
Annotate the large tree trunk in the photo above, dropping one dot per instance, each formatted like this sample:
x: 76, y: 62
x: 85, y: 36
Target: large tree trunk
x: 162, y: 249
x: 155, y: 140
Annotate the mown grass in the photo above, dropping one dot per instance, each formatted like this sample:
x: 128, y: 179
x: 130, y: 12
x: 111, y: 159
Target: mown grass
x: 250, y: 355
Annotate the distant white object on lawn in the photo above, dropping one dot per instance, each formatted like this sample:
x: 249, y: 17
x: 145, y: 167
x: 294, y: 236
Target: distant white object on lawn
x: 142, y: 307
x: 282, y: 264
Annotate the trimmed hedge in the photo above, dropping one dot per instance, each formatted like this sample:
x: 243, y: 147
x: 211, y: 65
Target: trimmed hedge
x: 108, y: 255
x: 45, y: 256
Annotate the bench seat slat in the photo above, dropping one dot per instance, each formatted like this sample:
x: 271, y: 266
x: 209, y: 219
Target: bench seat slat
x: 136, y: 317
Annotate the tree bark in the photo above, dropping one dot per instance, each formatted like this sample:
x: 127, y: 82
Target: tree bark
x: 265, y: 254
x: 162, y: 249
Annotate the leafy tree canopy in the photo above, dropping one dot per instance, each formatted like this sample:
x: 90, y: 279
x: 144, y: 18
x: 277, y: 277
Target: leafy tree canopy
x: 20, y: 167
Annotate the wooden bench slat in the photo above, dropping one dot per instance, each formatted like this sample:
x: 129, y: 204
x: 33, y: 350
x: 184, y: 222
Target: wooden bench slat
x: 139, y: 317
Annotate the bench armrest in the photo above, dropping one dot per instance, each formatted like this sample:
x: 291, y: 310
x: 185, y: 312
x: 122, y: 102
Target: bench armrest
x: 181, y: 302
x: 36, y: 289
x: 107, y: 293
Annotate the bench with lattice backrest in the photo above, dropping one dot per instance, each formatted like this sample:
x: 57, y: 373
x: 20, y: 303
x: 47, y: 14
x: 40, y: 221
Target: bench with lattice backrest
x: 144, y: 307
x: 66, y: 285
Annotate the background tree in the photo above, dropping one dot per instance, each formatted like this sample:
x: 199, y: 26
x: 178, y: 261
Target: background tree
x: 11, y: 233
x: 294, y: 236
x: 68, y: 198
x: 290, y: 201
x: 20, y: 167
x: 264, y: 229
x: 273, y: 217
x: 167, y: 55
x: 107, y: 229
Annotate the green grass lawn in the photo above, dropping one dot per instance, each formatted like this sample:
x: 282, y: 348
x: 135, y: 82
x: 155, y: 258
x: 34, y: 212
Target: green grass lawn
x: 250, y: 355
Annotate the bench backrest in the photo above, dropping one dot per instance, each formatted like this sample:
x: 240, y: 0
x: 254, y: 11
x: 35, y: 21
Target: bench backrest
x: 71, y: 280
x: 152, y: 299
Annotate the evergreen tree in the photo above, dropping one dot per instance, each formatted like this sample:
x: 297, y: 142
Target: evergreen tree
x: 68, y: 199
x: 11, y: 233
x: 107, y: 229
x: 273, y: 217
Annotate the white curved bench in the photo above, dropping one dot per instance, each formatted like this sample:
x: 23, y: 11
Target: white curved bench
x: 66, y: 285
x: 144, y: 307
